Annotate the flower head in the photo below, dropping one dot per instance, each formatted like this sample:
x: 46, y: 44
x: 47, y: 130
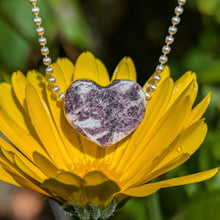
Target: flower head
x: 47, y: 155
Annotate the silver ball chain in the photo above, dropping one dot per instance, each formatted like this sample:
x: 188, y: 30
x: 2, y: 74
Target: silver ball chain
x: 166, y: 48
x: 162, y: 60
x: 45, y: 50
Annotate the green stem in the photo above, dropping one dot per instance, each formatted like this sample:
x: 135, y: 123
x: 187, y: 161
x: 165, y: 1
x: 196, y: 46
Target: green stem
x: 154, y: 209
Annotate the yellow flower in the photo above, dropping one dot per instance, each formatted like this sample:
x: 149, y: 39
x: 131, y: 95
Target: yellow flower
x: 47, y: 155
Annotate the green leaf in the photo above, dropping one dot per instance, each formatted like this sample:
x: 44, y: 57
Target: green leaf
x: 205, y: 206
x: 14, y: 49
x: 135, y: 209
x: 69, y: 19
x: 204, y: 64
x: 4, y: 77
x: 208, y: 7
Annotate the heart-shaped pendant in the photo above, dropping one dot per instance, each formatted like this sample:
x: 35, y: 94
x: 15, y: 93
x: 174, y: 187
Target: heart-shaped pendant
x: 105, y: 115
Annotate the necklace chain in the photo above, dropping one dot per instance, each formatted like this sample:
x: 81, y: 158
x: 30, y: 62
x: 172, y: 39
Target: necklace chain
x: 45, y: 50
x: 162, y: 60
x: 166, y: 49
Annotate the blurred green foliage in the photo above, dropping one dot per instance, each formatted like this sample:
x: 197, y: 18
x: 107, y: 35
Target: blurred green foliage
x: 62, y: 19
x: 116, y: 28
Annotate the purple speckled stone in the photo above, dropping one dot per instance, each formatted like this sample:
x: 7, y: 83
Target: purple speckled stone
x: 105, y: 115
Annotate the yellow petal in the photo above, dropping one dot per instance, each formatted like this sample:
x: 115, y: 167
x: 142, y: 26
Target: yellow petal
x: 7, y: 155
x: 38, y: 81
x: 140, y: 192
x: 7, y: 162
x: 198, y: 111
x: 10, y: 105
x: 160, y: 135
x: 8, y: 147
x: 67, y: 68
x: 90, y: 149
x: 101, y: 194
x: 103, y: 76
x: 20, y: 168
x: 87, y: 67
x: 63, y: 191
x: 154, y: 111
x: 8, y: 166
x: 191, y: 138
x: 179, y: 151
x: 147, y: 189
x: 19, y: 83
x: 164, y: 134
x: 45, y: 128
x: 19, y: 137
x: 6, y: 177
x: 132, y: 69
x: 10, y: 177
x: 45, y: 165
x: 70, y: 179
x: 125, y: 70
x: 159, y: 170
x: 95, y: 178
x: 185, y: 85
x: 30, y: 170
x: 114, y: 154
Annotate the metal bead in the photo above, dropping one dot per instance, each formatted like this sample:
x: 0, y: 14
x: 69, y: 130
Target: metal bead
x: 44, y: 51
x: 160, y: 68
x: 47, y: 61
x: 61, y: 95
x: 175, y: 20
x: 178, y: 10
x: 181, y: 2
x: 40, y: 30
x: 51, y: 79
x: 157, y: 77
x: 166, y: 49
x: 153, y: 87
x: 42, y: 41
x: 56, y: 88
x: 169, y: 39
x: 37, y: 20
x: 148, y: 96
x: 163, y: 59
x: 33, y: 2
x: 172, y: 30
x: 35, y: 11
x: 49, y: 70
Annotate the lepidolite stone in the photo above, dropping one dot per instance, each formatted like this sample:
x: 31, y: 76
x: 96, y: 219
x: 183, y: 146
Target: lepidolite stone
x: 105, y: 115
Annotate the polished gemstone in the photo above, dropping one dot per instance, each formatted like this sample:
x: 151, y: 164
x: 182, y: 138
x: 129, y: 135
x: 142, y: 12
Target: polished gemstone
x: 105, y: 115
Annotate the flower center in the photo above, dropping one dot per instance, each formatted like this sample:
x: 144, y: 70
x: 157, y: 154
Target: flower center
x: 101, y: 182
x: 106, y: 173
